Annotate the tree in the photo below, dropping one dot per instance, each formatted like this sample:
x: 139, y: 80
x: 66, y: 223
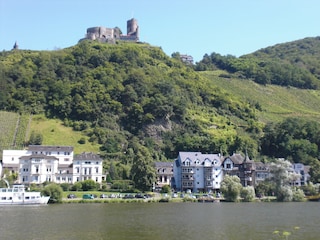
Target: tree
x: 88, y: 185
x: 165, y: 189
x: 231, y: 187
x: 248, y: 194
x: 143, y: 172
x: 54, y: 191
x: 77, y: 186
x: 282, y: 175
x: 35, y: 138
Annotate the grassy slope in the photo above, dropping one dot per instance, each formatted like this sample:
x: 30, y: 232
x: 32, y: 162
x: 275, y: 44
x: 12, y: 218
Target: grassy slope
x: 277, y: 102
x: 55, y: 133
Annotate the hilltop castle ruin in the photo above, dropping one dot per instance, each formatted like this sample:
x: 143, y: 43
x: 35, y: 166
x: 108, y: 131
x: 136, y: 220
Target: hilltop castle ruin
x: 110, y: 35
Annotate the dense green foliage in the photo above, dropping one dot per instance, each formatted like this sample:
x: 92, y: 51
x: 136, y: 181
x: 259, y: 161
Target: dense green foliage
x: 282, y: 177
x: 54, y: 191
x: 295, y: 139
x: 115, y: 92
x: 231, y: 188
x: 291, y: 64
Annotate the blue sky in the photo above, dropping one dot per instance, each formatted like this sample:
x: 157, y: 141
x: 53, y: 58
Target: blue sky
x: 235, y: 27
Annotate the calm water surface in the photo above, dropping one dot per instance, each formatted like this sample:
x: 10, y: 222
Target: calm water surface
x: 155, y: 221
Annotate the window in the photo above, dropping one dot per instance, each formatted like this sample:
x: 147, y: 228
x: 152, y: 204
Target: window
x: 97, y: 170
x: 228, y: 166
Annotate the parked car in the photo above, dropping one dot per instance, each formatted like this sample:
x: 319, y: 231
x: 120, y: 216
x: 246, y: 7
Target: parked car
x: 87, y: 196
x: 139, y: 195
x: 128, y: 196
x: 71, y: 196
x: 103, y: 196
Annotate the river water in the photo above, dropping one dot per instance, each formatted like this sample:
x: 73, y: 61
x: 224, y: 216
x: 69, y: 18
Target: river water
x: 157, y: 221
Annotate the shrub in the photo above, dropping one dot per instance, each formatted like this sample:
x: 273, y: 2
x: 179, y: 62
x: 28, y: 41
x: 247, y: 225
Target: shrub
x: 298, y: 195
x: 248, y: 194
x: 54, y: 191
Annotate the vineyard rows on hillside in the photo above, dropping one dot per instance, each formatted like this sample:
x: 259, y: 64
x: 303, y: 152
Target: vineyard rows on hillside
x: 13, y: 128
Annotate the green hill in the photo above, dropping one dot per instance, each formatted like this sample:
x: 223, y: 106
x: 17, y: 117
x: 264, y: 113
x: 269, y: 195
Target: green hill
x: 114, y: 98
x: 288, y: 64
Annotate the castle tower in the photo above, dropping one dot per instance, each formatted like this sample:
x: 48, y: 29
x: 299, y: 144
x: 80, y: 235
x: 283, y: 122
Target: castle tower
x: 133, y: 28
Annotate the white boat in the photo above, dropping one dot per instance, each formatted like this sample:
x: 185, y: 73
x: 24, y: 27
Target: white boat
x: 16, y: 195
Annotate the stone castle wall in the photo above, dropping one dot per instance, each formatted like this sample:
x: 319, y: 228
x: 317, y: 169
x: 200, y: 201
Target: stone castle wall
x: 104, y: 34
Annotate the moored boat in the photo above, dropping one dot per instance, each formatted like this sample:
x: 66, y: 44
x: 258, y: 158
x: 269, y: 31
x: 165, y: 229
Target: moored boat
x: 17, y: 195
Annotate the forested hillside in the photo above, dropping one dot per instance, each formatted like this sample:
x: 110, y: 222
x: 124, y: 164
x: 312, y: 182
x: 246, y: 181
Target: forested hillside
x: 294, y: 64
x: 136, y: 102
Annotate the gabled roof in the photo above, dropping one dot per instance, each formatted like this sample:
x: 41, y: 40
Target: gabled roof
x: 195, y: 157
x: 237, y: 158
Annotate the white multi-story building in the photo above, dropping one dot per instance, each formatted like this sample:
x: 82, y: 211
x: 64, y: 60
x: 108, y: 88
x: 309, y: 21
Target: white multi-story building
x: 88, y: 166
x: 303, y: 170
x: 40, y: 163
x: 197, y: 172
x: 37, y: 168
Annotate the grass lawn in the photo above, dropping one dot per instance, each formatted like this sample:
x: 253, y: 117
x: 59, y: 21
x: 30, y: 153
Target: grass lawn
x: 55, y: 133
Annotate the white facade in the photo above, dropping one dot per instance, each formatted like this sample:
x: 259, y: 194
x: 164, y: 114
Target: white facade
x: 37, y: 169
x: 88, y: 166
x: 40, y: 163
x: 164, y: 171
x: 10, y: 159
x: 197, y: 172
x: 303, y: 170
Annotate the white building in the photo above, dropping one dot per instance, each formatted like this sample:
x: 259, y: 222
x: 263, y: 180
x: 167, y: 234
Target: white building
x: 40, y: 163
x: 164, y: 171
x: 37, y: 168
x: 197, y: 172
x: 88, y: 166
x: 303, y: 170
x: 10, y: 159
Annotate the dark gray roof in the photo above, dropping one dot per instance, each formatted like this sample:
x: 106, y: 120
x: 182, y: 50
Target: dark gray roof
x: 237, y: 158
x: 42, y: 156
x: 87, y: 156
x: 163, y: 164
x: 43, y: 148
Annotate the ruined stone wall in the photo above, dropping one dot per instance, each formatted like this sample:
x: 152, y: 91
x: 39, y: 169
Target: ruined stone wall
x: 103, y: 34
